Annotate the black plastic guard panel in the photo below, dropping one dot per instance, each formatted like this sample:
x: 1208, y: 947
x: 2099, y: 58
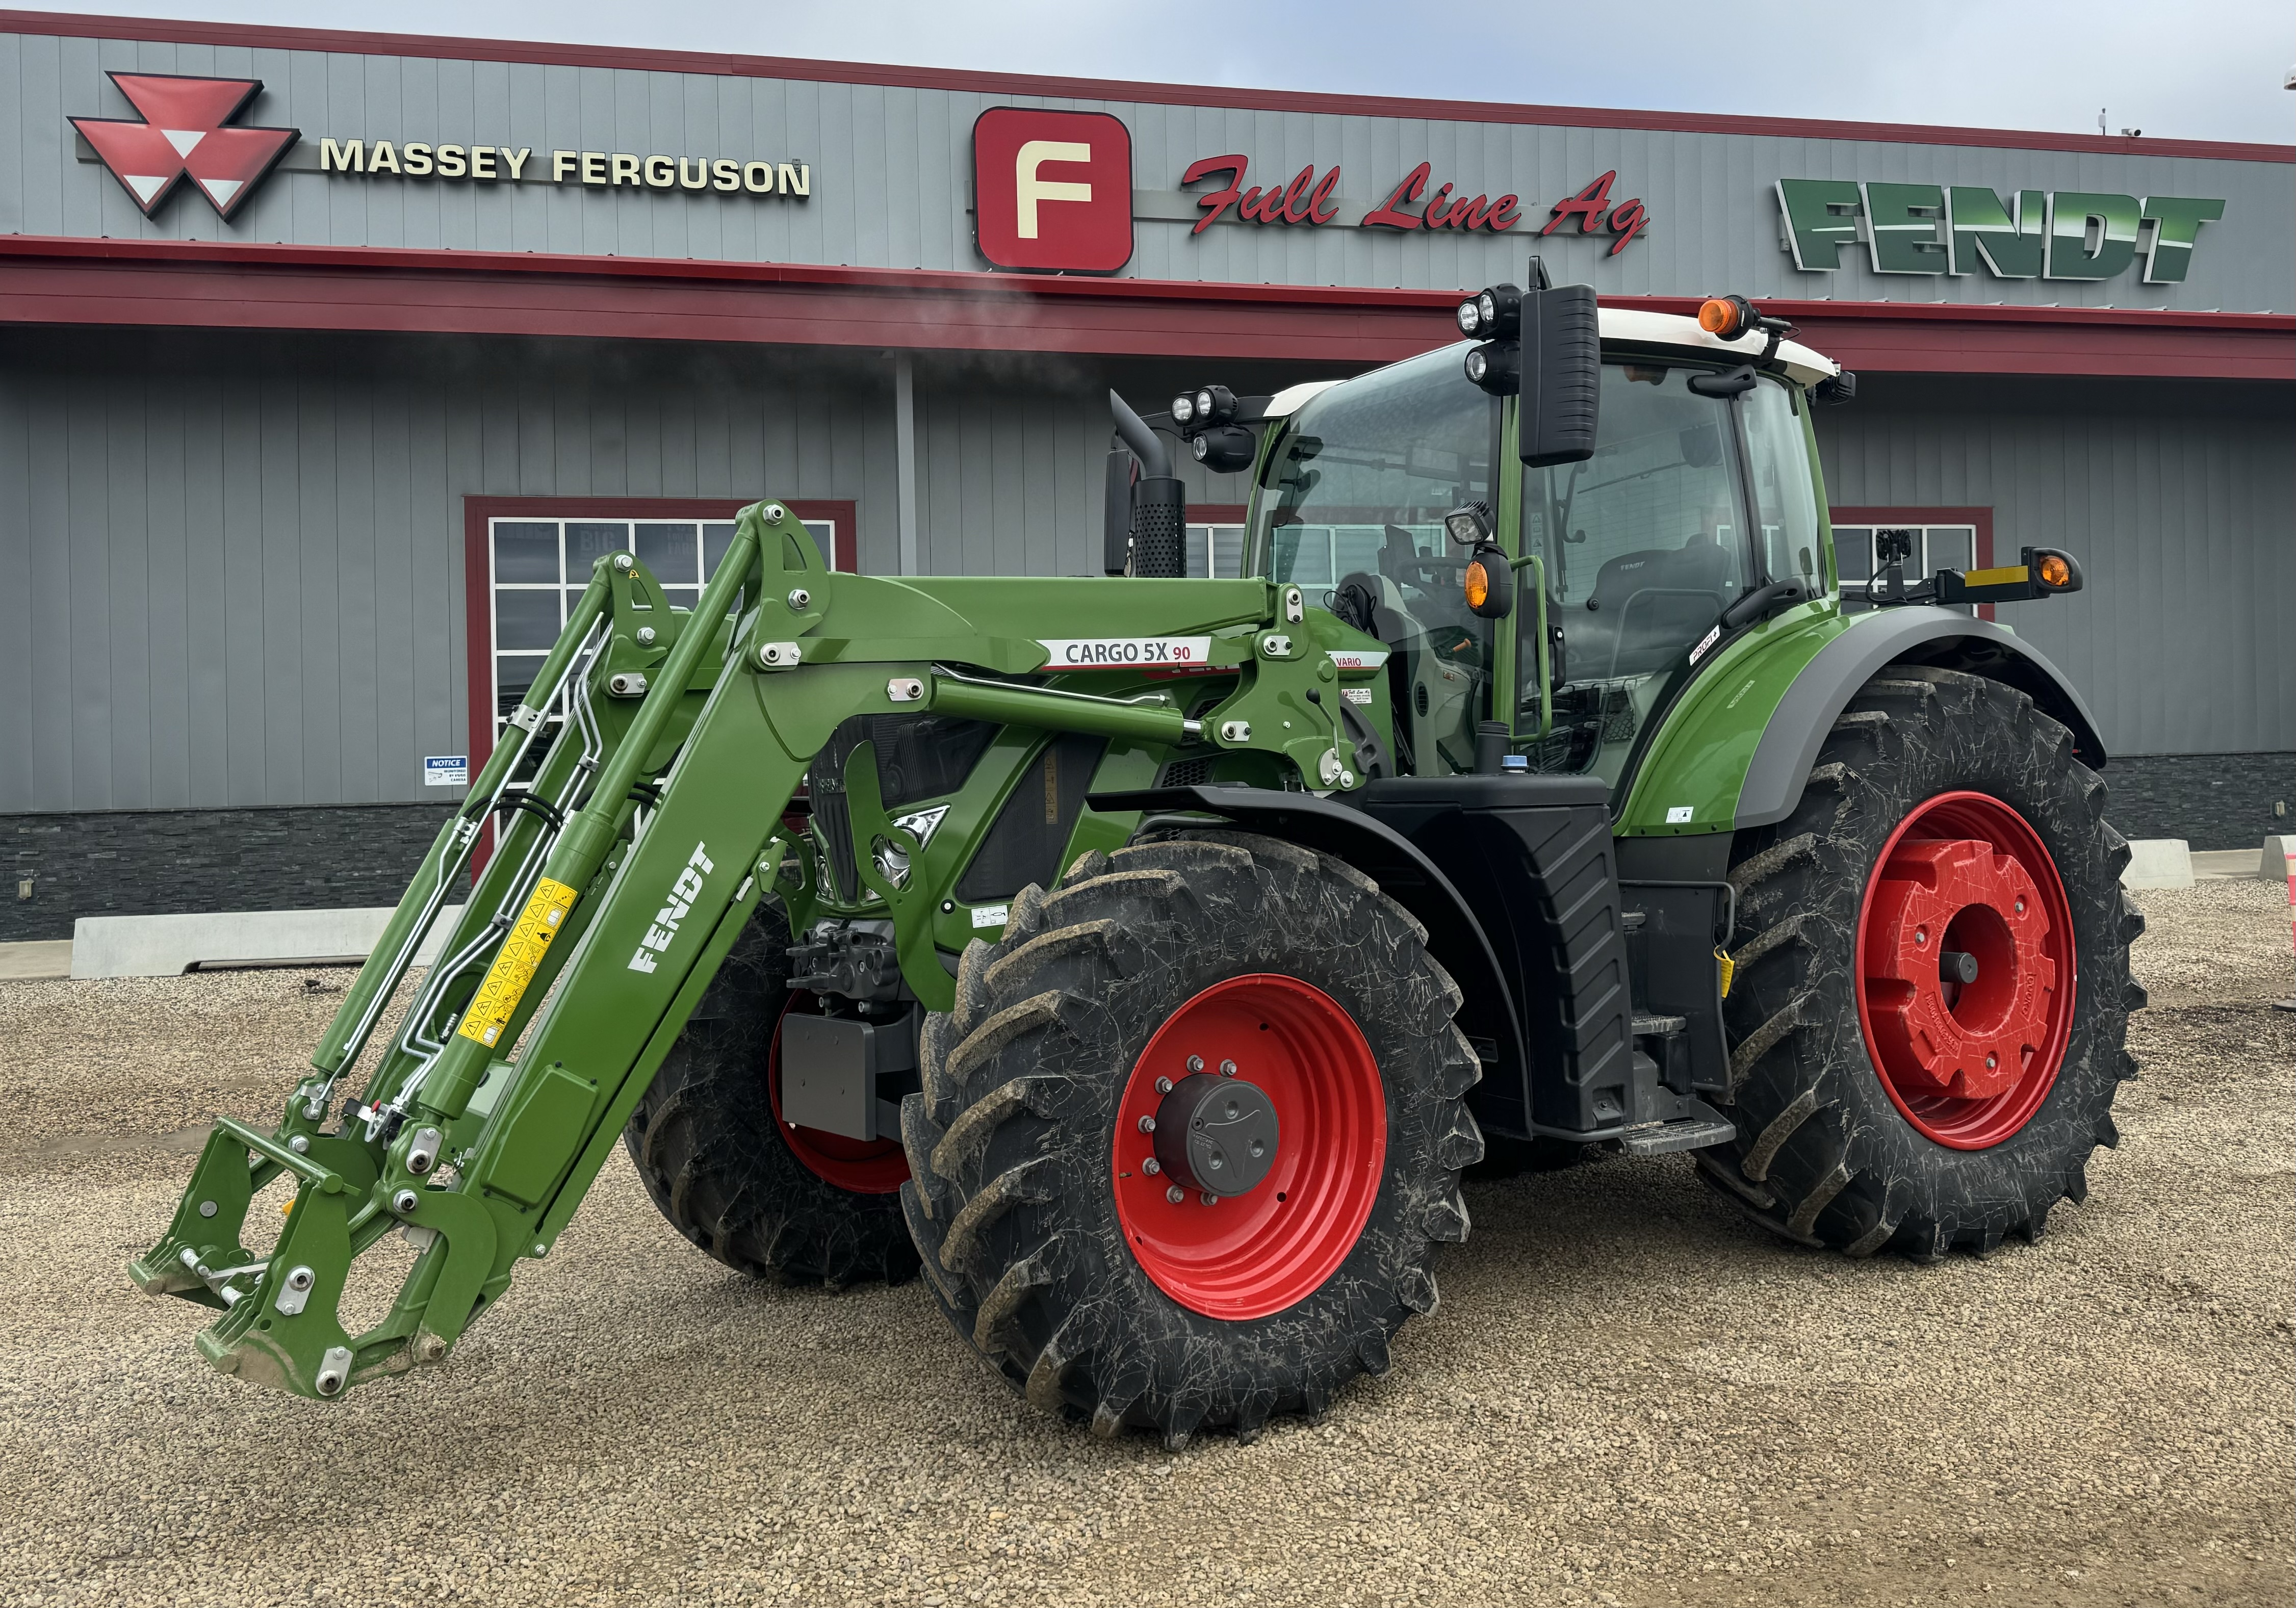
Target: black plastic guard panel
x: 1534, y: 857
x: 1456, y: 935
x: 1515, y: 881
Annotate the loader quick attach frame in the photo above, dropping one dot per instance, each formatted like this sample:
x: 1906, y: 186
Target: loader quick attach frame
x: 627, y: 864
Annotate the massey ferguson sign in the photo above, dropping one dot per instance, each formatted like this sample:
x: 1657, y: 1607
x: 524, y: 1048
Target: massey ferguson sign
x: 182, y: 133
x: 185, y: 131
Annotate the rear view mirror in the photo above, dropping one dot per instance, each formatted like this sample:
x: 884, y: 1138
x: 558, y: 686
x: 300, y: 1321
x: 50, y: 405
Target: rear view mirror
x: 1561, y: 375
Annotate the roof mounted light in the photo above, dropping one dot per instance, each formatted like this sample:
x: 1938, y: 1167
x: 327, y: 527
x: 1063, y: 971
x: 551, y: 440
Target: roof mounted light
x: 1727, y: 318
x: 1183, y: 409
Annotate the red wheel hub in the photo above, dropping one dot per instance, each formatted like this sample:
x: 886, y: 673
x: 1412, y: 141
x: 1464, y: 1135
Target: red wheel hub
x: 1250, y: 1254
x: 856, y: 1166
x: 1965, y: 970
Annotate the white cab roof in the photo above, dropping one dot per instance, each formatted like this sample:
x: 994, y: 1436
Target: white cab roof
x: 1671, y: 329
x: 1643, y: 329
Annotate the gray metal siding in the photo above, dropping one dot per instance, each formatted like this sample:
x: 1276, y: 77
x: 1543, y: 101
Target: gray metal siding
x: 892, y: 178
x: 240, y: 582
x: 2176, y: 498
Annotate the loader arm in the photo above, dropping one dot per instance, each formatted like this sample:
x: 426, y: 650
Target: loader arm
x: 646, y: 839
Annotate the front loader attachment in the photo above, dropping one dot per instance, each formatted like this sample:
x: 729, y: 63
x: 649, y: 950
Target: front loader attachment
x: 640, y: 788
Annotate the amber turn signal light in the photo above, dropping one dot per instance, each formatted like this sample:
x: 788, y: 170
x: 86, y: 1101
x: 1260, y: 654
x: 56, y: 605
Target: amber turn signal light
x: 1489, y: 583
x: 2054, y: 572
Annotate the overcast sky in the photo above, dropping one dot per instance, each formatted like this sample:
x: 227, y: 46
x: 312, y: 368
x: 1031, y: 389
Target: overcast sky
x: 2178, y: 68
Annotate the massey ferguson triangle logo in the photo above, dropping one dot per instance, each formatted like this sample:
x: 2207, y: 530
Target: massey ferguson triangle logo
x: 182, y: 135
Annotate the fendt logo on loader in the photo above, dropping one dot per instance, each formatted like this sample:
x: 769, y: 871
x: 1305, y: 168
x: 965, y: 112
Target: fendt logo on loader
x: 683, y: 892
x: 182, y: 133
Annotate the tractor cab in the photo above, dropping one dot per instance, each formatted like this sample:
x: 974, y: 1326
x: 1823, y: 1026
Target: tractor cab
x: 1702, y: 489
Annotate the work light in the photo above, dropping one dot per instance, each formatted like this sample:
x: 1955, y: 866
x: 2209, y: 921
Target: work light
x: 1183, y: 409
x: 1496, y: 367
x: 1470, y: 317
x: 1469, y: 526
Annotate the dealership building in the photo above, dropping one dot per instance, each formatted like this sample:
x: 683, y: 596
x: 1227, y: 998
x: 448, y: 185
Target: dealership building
x: 328, y: 361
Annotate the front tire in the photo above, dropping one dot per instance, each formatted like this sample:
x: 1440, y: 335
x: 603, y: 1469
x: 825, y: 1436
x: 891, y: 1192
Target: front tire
x: 1086, y: 1276
x: 1881, y: 1101
x: 765, y: 1200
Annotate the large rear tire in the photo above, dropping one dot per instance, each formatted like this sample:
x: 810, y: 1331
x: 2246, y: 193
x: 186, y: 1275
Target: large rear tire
x: 1075, y: 1264
x: 1884, y: 1102
x: 763, y: 1198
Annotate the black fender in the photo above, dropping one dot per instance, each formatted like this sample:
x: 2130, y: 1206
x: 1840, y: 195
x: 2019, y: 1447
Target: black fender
x: 1404, y: 873
x: 1920, y: 634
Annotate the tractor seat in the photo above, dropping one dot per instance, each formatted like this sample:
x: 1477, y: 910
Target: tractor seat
x: 1646, y: 607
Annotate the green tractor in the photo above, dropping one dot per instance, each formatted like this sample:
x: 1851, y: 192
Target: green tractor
x: 1144, y: 959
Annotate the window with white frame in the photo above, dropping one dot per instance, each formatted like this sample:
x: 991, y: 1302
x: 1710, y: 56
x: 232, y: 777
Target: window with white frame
x: 540, y: 566
x: 1935, y: 548
x: 1215, y: 552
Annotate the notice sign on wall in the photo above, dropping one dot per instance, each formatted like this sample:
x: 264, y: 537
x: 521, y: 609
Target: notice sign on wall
x: 445, y: 770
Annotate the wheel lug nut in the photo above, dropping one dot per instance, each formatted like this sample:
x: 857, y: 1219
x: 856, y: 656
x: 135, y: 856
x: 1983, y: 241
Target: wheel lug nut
x: 1209, y: 1198
x: 1175, y: 1194
x: 1163, y: 1086
x: 1227, y: 1068
x: 1147, y: 1125
x: 1195, y: 1063
x: 1151, y: 1166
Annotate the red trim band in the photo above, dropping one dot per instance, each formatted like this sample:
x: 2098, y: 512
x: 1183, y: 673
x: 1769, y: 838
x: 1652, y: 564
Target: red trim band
x: 198, y: 284
x: 334, y: 41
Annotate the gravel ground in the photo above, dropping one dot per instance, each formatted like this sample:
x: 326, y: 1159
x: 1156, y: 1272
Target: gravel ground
x: 1629, y: 1395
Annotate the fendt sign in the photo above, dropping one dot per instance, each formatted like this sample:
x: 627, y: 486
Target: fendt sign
x: 2076, y: 234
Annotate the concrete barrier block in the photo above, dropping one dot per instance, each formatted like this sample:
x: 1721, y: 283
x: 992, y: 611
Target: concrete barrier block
x: 2277, y: 852
x: 168, y: 946
x: 2158, y: 863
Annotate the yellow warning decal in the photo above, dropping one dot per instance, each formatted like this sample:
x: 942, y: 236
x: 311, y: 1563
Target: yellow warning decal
x: 2008, y: 577
x: 497, y: 997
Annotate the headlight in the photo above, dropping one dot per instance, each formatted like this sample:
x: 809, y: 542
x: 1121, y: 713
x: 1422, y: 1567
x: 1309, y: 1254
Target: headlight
x: 1479, y: 362
x: 1471, y: 318
x: 1486, y: 308
x: 1204, y: 406
x: 1184, y: 408
x: 1200, y: 446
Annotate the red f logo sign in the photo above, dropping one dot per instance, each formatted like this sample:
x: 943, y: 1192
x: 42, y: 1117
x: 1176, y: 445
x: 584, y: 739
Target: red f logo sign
x: 183, y: 132
x: 1053, y: 190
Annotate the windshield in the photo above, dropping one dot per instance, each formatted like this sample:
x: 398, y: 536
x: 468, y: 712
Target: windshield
x: 1350, y: 509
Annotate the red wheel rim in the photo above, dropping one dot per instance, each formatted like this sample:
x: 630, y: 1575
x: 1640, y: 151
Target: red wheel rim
x: 1249, y: 1255
x: 856, y: 1166
x: 1968, y: 1063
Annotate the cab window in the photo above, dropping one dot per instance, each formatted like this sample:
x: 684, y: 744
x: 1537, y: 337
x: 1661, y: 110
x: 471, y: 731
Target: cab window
x: 1351, y: 508
x: 1785, y: 495
x: 1643, y: 545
